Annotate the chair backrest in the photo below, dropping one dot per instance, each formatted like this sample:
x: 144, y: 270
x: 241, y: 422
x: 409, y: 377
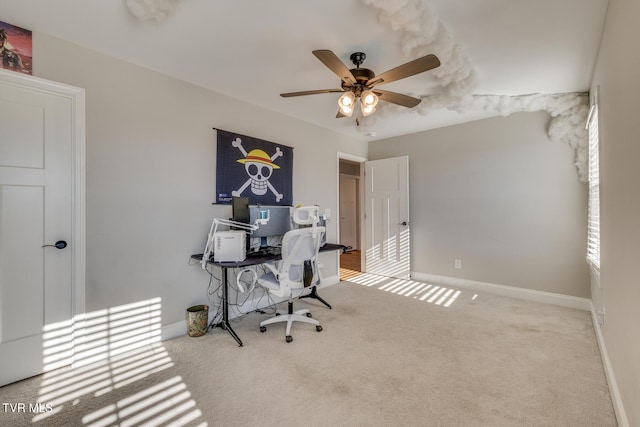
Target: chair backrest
x: 298, y: 246
x: 306, y: 215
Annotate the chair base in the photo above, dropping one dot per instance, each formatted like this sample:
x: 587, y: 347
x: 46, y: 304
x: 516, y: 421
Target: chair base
x: 291, y: 316
x: 314, y: 294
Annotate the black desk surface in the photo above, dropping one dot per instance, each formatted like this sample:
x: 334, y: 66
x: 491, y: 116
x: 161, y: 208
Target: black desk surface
x: 254, y: 260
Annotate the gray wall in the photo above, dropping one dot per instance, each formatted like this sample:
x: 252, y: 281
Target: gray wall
x: 151, y: 173
x: 500, y: 196
x: 616, y: 73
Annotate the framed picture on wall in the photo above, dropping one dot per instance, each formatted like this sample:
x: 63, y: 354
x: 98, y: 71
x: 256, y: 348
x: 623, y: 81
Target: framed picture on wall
x: 15, y: 49
x: 250, y: 167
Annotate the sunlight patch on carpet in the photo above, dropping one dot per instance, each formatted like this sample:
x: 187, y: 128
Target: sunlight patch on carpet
x: 430, y: 293
x: 110, y: 350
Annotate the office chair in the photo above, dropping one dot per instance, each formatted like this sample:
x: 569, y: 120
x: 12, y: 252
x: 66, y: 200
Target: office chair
x: 306, y: 216
x: 293, y: 275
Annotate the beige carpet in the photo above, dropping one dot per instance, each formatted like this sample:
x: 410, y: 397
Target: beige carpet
x: 391, y: 353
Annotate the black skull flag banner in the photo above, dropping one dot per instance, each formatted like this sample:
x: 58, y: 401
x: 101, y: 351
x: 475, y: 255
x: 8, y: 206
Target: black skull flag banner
x: 253, y: 168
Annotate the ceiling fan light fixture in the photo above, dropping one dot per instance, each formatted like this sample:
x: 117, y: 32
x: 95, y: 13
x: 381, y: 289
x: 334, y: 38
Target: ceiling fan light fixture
x: 346, y: 110
x: 347, y: 100
x: 367, y: 110
x: 368, y: 99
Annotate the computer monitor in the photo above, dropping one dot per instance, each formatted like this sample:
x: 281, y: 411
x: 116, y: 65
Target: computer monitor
x: 279, y: 221
x: 240, y: 213
x: 240, y: 210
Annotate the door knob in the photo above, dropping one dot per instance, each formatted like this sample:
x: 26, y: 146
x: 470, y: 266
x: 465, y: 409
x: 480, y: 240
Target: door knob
x: 60, y: 244
x: 405, y: 223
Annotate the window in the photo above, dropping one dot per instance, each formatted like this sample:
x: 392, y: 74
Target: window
x: 593, y: 224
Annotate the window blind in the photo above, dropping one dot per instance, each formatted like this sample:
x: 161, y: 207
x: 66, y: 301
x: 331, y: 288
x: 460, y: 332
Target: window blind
x: 593, y: 224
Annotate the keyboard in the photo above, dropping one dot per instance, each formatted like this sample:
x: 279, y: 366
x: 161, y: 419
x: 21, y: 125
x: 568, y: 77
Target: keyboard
x: 270, y: 251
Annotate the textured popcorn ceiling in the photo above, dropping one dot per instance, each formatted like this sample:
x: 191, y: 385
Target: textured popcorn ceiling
x: 255, y: 50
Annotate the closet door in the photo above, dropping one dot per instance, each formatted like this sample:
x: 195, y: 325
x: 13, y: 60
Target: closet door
x: 37, y: 281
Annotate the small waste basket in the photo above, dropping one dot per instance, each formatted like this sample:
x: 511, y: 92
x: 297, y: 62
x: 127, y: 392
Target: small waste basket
x: 197, y: 320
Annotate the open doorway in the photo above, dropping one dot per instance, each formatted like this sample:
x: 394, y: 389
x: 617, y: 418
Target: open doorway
x: 350, y: 216
x: 381, y: 244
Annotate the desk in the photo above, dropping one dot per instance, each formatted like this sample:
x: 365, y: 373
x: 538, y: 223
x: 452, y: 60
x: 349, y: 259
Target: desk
x: 225, y: 266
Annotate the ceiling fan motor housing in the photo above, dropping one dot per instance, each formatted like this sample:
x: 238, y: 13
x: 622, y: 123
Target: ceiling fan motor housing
x: 362, y: 75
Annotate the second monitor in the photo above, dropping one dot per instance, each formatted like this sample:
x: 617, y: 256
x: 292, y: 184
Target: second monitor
x: 279, y: 221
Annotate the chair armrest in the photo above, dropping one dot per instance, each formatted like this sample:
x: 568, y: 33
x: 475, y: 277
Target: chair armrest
x: 273, y: 268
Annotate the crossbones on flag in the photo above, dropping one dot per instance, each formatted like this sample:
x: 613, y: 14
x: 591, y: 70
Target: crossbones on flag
x: 253, y: 168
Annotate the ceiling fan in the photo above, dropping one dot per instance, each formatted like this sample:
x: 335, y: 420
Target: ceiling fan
x: 360, y: 83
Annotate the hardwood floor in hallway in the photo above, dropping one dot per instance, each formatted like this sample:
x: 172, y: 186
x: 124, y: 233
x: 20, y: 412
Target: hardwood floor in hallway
x: 350, y: 264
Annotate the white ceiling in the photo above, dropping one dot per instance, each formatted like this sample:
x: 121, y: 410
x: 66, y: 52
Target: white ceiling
x: 255, y: 50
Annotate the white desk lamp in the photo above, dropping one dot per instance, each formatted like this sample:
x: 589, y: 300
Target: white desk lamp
x: 263, y: 220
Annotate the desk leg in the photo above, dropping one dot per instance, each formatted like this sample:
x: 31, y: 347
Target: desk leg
x: 225, y: 308
x: 314, y: 294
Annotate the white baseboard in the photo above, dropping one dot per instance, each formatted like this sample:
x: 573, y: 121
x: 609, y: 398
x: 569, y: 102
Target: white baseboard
x: 508, y: 291
x: 329, y: 281
x: 173, y: 330
x: 614, y: 391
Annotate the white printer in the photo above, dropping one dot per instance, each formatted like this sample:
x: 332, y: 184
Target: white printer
x: 229, y: 246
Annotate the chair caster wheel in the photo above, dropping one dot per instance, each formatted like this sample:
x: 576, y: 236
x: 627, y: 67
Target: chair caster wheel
x: 308, y: 314
x: 318, y: 328
x: 289, y: 338
x: 263, y: 328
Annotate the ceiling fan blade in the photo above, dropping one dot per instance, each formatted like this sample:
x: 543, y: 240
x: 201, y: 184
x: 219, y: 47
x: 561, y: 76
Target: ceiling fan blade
x: 332, y: 62
x: 309, y: 92
x: 409, y: 69
x: 340, y: 115
x: 397, y: 98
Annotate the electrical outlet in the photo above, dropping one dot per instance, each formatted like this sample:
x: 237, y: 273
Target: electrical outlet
x: 457, y: 264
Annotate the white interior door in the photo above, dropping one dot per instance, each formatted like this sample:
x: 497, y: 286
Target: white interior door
x: 387, y: 217
x: 349, y: 211
x: 36, y: 208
